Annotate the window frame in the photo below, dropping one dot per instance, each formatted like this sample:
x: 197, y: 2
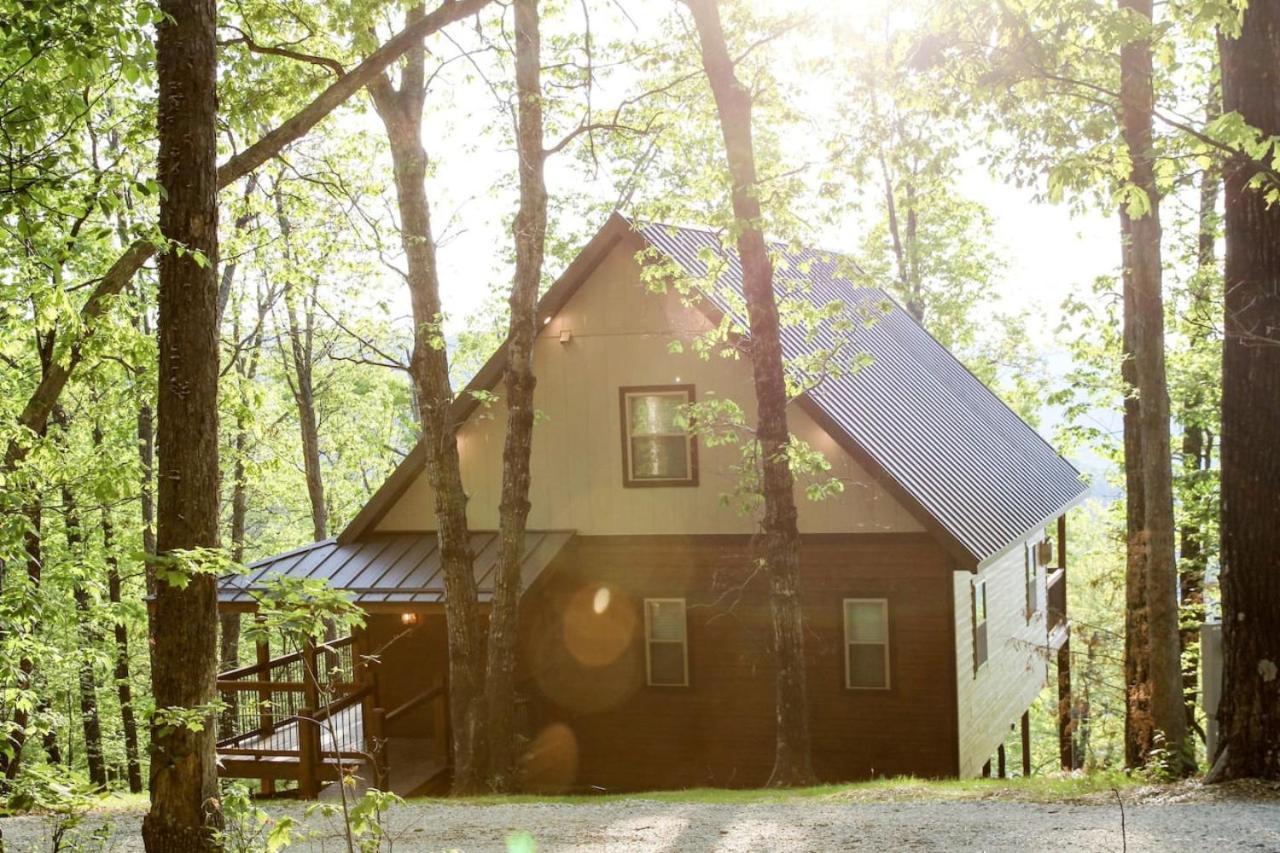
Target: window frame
x: 625, y: 393
x: 884, y: 616
x: 649, y: 641
x: 976, y: 585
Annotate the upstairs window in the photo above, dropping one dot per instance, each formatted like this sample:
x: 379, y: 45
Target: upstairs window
x: 866, y: 644
x: 657, y: 449
x: 978, y: 595
x: 666, y: 642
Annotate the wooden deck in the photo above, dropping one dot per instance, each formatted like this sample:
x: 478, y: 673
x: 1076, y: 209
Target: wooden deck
x: 313, y: 717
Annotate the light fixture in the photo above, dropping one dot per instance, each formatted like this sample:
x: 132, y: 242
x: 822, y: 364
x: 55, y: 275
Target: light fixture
x: 408, y: 618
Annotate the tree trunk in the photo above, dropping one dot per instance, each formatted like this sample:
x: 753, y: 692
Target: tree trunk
x: 1197, y: 447
x: 301, y: 357
x: 401, y: 113
x: 1138, y: 730
x: 184, y: 790
x: 32, y: 546
x: 780, y: 537
x: 86, y: 630
x: 123, y: 678
x: 90, y: 719
x: 1168, y: 717
x: 530, y: 238
x: 1249, y: 716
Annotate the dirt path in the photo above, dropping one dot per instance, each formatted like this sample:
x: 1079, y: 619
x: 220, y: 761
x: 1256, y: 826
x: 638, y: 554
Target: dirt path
x: 817, y: 824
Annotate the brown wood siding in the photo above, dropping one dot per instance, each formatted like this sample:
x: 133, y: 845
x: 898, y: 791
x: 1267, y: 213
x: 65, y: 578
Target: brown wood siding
x: 586, y: 669
x: 994, y: 697
x: 409, y: 660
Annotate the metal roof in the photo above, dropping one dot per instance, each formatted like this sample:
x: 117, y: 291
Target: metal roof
x: 964, y: 457
x: 390, y: 568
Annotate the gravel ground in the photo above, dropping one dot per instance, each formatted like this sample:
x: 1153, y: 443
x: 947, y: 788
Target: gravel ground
x: 819, y: 824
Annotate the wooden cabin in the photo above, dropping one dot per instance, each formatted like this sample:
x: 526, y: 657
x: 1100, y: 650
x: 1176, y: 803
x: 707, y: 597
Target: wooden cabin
x: 934, y: 595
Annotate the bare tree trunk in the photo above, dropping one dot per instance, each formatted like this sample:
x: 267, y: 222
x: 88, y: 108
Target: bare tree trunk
x: 530, y: 238
x: 184, y: 659
x: 401, y: 113
x: 86, y: 632
x: 32, y: 546
x: 300, y: 360
x: 1165, y: 669
x: 1249, y: 716
x: 780, y: 537
x: 1197, y: 448
x: 121, y: 673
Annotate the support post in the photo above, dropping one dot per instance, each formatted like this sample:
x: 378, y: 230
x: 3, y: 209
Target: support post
x: 986, y: 769
x: 266, y: 721
x: 1000, y: 763
x: 308, y: 754
x: 440, y: 724
x: 310, y: 676
x: 1026, y: 743
x: 1066, y: 749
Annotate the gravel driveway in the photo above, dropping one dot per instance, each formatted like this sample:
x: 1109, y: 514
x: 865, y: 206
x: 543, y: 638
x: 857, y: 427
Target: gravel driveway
x: 819, y: 824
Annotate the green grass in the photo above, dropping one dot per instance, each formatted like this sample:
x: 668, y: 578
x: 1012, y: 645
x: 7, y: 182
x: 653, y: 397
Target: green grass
x: 1036, y: 789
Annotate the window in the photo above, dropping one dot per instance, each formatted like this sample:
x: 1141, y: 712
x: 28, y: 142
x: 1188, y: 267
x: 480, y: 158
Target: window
x: 657, y: 449
x: 866, y: 643
x: 1033, y: 588
x: 978, y: 593
x: 666, y: 642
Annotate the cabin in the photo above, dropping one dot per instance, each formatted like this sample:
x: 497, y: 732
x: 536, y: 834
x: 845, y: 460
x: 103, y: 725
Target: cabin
x: 933, y: 582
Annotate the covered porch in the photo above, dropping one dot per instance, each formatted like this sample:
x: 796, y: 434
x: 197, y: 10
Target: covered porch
x: 373, y: 704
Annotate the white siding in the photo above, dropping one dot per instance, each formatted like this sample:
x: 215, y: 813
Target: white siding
x: 994, y: 697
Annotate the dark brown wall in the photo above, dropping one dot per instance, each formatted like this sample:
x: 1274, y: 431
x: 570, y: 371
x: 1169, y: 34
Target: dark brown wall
x: 410, y: 659
x: 595, y: 722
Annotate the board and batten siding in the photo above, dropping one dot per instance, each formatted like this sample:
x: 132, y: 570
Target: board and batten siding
x: 617, y: 334
x: 595, y: 722
x: 994, y: 697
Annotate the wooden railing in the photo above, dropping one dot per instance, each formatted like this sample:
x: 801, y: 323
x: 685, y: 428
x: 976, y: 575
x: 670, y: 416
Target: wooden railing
x: 287, y: 717
x: 437, y: 696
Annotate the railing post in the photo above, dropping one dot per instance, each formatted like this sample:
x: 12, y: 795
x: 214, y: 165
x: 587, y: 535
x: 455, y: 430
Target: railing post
x: 310, y: 675
x: 308, y: 754
x: 266, y: 720
x: 376, y: 746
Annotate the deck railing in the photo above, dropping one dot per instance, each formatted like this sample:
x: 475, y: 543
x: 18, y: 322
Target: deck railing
x: 295, y: 716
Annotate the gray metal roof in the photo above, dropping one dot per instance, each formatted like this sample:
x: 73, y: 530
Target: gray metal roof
x: 964, y: 457
x: 390, y: 568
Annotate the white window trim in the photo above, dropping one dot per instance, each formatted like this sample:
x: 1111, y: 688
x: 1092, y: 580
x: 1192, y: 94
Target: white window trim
x: 649, y: 641
x: 1031, y: 582
x: 884, y: 617
x: 686, y: 398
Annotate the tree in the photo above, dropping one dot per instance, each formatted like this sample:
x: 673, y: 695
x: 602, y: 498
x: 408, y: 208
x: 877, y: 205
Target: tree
x: 400, y: 109
x: 780, y: 545
x: 1140, y: 230
x: 1249, y: 716
x: 530, y: 233
x: 185, y: 810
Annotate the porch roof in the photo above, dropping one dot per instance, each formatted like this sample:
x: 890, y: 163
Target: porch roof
x: 389, y: 568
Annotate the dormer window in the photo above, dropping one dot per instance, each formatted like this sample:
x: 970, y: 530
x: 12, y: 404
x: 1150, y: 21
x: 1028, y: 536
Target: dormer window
x: 657, y: 449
